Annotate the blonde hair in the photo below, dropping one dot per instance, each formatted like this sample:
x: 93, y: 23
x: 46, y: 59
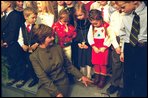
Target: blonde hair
x: 81, y: 7
x: 28, y: 11
x: 31, y: 4
x: 12, y: 3
x: 48, y: 6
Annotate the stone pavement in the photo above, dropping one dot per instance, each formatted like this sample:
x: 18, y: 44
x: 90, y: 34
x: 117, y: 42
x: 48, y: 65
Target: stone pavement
x: 77, y: 90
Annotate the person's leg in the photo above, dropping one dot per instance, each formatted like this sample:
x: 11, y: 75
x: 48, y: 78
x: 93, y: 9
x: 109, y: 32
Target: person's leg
x: 140, y: 87
x: 88, y: 70
x: 103, y: 73
x: 129, y: 67
x: 117, y: 73
x: 97, y: 74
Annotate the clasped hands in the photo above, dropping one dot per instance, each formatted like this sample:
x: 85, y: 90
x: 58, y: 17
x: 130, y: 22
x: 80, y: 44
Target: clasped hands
x: 30, y: 49
x: 97, y: 50
x: 82, y: 45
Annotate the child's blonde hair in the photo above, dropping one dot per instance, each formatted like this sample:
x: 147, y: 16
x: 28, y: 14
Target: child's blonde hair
x: 28, y: 11
x: 80, y: 7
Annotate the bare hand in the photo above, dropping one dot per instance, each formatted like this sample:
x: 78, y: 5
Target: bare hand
x: 118, y: 50
x: 122, y: 57
x: 34, y: 46
x: 85, y: 47
x: 96, y: 49
x: 25, y: 47
x: 4, y: 44
x: 86, y: 81
x: 80, y: 45
x: 59, y: 95
x: 102, y: 49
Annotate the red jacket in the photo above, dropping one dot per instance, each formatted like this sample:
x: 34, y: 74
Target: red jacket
x: 63, y: 36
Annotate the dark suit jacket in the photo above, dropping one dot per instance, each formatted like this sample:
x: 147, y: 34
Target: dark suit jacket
x: 9, y: 34
x: 10, y: 27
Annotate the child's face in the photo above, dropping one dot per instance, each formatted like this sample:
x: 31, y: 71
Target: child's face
x: 61, y: 3
x: 103, y: 3
x: 96, y: 23
x: 64, y: 21
x: 80, y: 15
x: 31, y: 18
x: 41, y: 6
x: 126, y: 7
x: 4, y: 6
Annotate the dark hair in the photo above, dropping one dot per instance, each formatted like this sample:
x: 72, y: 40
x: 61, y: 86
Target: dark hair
x: 95, y: 14
x: 42, y: 31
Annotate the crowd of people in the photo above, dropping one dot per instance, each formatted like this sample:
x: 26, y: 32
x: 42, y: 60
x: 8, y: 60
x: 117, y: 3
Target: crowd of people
x: 51, y: 42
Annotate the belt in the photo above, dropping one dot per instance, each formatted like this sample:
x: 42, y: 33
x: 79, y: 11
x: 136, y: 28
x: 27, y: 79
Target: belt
x: 142, y: 44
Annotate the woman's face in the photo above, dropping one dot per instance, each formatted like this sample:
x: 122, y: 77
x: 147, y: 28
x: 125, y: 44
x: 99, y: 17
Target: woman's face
x: 49, y: 41
x: 41, y: 6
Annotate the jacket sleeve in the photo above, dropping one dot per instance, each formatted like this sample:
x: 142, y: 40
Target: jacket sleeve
x: 90, y: 37
x: 44, y: 79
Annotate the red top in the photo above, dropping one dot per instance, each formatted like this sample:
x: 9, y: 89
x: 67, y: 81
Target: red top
x: 63, y: 36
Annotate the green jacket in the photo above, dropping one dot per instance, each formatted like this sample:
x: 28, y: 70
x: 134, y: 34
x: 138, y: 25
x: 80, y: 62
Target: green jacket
x: 51, y: 65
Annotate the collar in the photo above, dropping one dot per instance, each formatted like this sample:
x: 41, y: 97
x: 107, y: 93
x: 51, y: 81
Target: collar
x: 29, y: 26
x: 140, y: 8
x: 7, y: 13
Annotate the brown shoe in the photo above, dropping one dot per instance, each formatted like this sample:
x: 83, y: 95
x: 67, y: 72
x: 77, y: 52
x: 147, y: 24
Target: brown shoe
x: 97, y: 79
x: 102, y: 82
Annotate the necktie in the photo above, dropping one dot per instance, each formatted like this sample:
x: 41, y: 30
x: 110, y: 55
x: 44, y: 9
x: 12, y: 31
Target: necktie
x: 135, y: 29
x: 28, y: 29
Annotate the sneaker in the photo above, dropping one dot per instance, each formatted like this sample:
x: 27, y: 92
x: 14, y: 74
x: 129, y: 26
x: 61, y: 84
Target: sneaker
x: 112, y: 89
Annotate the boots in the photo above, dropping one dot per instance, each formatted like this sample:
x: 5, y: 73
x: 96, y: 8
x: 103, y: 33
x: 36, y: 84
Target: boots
x: 88, y: 69
x: 102, y: 82
x: 97, y: 79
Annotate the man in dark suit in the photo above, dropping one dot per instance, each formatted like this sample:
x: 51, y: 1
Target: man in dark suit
x: 10, y: 24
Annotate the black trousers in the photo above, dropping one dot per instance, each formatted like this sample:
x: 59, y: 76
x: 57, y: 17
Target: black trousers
x: 135, y: 70
x: 31, y: 73
x: 16, y: 61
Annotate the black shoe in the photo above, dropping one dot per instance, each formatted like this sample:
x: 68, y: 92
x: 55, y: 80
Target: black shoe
x: 120, y: 93
x: 11, y: 82
x: 112, y: 89
x: 34, y: 82
x: 20, y: 83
